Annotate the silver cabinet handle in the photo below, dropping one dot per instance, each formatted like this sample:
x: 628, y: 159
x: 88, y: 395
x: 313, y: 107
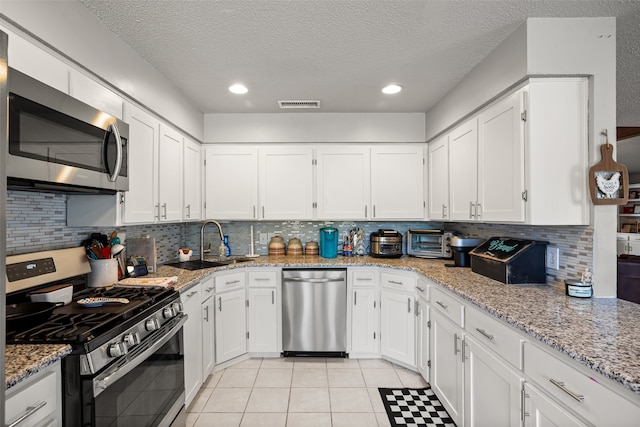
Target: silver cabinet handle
x: 478, y: 210
x: 355, y: 297
x: 465, y: 346
x: 164, y: 209
x: 395, y: 282
x: 189, y: 211
x: 116, y: 133
x: 30, y: 411
x: 471, y: 210
x: 254, y: 211
x: 206, y: 313
x: 263, y: 212
x: 232, y: 282
x: 273, y: 297
x: 219, y: 303
x: 262, y: 279
x: 578, y: 397
x: 192, y: 293
x: 374, y: 211
x: 409, y: 305
x: 441, y: 304
x: 523, y: 411
x: 485, y: 334
x: 420, y: 289
x: 364, y: 279
x: 365, y: 211
x: 209, y: 289
x: 456, y: 350
x: 444, y: 207
x: 157, y: 208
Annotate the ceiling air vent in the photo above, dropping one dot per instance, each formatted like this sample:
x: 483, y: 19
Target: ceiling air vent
x: 299, y: 104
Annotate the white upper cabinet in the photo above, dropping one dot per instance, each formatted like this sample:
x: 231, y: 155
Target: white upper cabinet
x: 231, y: 182
x: 501, y: 161
x: 286, y: 182
x: 438, y: 182
x: 192, y: 181
x: 343, y: 182
x: 170, y: 175
x: 397, y: 181
x: 463, y: 171
x: 93, y: 93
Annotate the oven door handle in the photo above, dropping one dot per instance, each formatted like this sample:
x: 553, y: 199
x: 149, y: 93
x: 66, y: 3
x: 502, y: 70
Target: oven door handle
x: 103, y: 381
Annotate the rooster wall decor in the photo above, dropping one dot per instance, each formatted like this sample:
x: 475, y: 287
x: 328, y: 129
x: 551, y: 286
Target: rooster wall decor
x: 608, y: 180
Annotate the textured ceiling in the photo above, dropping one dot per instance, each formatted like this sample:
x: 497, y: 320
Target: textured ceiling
x: 342, y: 52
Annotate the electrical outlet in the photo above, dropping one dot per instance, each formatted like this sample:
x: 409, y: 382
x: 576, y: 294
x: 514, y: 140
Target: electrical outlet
x: 553, y: 258
x: 264, y: 239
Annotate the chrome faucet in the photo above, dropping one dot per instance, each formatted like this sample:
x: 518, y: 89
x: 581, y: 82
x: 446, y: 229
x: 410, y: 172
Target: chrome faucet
x: 210, y: 221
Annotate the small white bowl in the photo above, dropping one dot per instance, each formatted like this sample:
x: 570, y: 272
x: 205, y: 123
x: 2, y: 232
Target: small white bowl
x: 57, y: 293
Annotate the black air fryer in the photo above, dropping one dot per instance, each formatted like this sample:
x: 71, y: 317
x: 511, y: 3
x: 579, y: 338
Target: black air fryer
x: 460, y: 247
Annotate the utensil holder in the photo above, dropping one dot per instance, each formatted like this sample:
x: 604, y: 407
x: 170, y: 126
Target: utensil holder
x: 104, y: 272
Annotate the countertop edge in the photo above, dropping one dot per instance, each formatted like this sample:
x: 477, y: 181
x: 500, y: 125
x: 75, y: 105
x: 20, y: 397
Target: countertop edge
x: 33, y: 359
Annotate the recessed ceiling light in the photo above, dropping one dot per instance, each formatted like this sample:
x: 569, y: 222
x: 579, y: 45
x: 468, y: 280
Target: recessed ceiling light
x: 238, y: 89
x: 391, y: 89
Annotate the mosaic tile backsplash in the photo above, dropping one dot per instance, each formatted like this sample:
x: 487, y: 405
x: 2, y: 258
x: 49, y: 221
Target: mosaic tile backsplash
x: 37, y: 221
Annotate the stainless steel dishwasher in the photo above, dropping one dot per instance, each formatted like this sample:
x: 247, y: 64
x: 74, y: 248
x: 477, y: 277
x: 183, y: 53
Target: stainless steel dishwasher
x: 314, y: 312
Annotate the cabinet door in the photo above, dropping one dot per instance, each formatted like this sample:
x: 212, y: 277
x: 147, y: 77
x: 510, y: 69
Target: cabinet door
x: 438, y: 173
x: 491, y: 389
x: 343, y: 182
x: 141, y: 199
x: 231, y: 182
x: 231, y: 325
x: 397, y: 182
x: 192, y: 332
x: 634, y: 245
x: 170, y: 175
x: 542, y: 412
x: 446, y: 364
x: 208, y: 337
x: 192, y: 181
x: 364, y: 321
x: 397, y: 325
x: 93, y: 93
x: 622, y: 245
x: 286, y: 183
x: 501, y: 161
x: 422, y: 338
x: 263, y: 320
x: 463, y: 171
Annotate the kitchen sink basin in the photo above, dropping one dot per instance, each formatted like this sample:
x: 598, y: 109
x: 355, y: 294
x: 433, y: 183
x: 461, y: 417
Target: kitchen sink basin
x: 200, y: 265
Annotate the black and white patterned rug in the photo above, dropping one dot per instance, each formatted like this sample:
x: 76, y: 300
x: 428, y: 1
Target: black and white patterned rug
x: 414, y: 407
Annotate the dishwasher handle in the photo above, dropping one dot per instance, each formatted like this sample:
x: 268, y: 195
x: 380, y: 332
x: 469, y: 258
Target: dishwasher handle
x: 300, y: 279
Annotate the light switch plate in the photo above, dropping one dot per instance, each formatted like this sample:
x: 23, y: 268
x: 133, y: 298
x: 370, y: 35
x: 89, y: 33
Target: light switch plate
x: 553, y: 258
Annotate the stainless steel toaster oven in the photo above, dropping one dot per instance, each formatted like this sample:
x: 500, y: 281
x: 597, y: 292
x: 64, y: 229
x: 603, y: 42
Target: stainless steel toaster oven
x: 429, y: 243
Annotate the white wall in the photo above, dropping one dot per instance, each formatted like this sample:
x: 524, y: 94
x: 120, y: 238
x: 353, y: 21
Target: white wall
x: 314, y: 127
x: 72, y: 29
x: 543, y: 47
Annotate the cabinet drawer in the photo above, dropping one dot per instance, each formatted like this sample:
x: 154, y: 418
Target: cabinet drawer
x: 364, y: 278
x: 579, y: 392
x: 448, y: 305
x: 228, y: 282
x: 263, y: 279
x: 38, y: 393
x: 207, y: 289
x: 398, y: 282
x: 496, y: 336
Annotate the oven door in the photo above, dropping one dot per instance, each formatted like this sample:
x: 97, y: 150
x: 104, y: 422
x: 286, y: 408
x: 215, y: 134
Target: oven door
x: 147, y: 390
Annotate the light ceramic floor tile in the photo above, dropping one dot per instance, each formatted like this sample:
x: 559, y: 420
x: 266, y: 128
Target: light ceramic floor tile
x: 342, y: 363
x: 376, y: 400
x: 311, y: 377
x: 219, y: 420
x: 277, y: 362
x: 381, y: 378
x: 410, y: 379
x: 191, y: 419
x: 252, y: 363
x: 383, y: 419
x: 269, y: 400
x: 309, y: 400
x: 365, y: 419
x: 273, y: 378
x: 228, y: 400
x: 310, y: 362
x: 350, y: 400
x: 345, y: 378
x: 238, y: 377
x: 309, y: 420
x: 375, y: 364
x: 264, y: 420
x: 212, y: 380
x: 200, y: 400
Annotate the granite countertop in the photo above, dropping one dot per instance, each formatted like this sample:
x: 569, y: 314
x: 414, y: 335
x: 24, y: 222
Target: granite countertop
x: 599, y: 333
x: 22, y: 361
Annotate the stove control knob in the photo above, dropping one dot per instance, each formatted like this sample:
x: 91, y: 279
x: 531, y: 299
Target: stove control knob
x: 169, y: 312
x: 152, y: 324
x: 132, y: 339
x: 117, y: 349
x: 177, y: 307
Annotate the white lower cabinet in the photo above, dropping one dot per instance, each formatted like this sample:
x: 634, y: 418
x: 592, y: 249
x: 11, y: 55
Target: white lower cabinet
x: 263, y: 312
x: 37, y: 400
x: 422, y: 338
x: 230, y: 317
x: 541, y: 411
x: 207, y: 289
x: 492, y: 390
x: 397, y: 324
x: 192, y: 334
x: 365, y: 317
x: 446, y: 364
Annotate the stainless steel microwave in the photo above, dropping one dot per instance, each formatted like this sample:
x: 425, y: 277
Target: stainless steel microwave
x: 429, y: 243
x: 57, y: 143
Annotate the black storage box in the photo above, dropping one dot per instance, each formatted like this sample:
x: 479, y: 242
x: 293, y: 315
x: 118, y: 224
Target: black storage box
x: 629, y: 278
x: 511, y: 261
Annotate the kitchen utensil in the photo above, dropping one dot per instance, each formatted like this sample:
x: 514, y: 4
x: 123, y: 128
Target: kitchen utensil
x: 328, y: 242
x: 116, y: 252
x: 25, y: 315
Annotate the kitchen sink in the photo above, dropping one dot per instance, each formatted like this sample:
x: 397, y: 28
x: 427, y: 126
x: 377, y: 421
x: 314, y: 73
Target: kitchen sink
x: 202, y: 264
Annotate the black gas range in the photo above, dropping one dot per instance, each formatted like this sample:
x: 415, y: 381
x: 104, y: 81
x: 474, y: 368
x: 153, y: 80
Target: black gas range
x: 127, y: 361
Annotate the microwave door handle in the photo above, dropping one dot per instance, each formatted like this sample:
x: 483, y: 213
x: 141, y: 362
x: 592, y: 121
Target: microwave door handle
x: 116, y: 133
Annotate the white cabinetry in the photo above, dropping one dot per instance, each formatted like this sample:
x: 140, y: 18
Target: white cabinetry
x: 264, y: 302
x: 397, y: 181
x: 231, y: 182
x: 192, y: 332
x: 192, y: 181
x: 365, y: 319
x: 422, y: 332
x: 463, y: 171
x: 286, y: 182
x: 170, y: 175
x: 628, y: 243
x: 93, y: 93
x: 38, y: 399
x: 438, y: 181
x: 397, y: 322
x: 541, y: 411
x: 343, y: 182
x: 230, y: 318
x: 207, y: 289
